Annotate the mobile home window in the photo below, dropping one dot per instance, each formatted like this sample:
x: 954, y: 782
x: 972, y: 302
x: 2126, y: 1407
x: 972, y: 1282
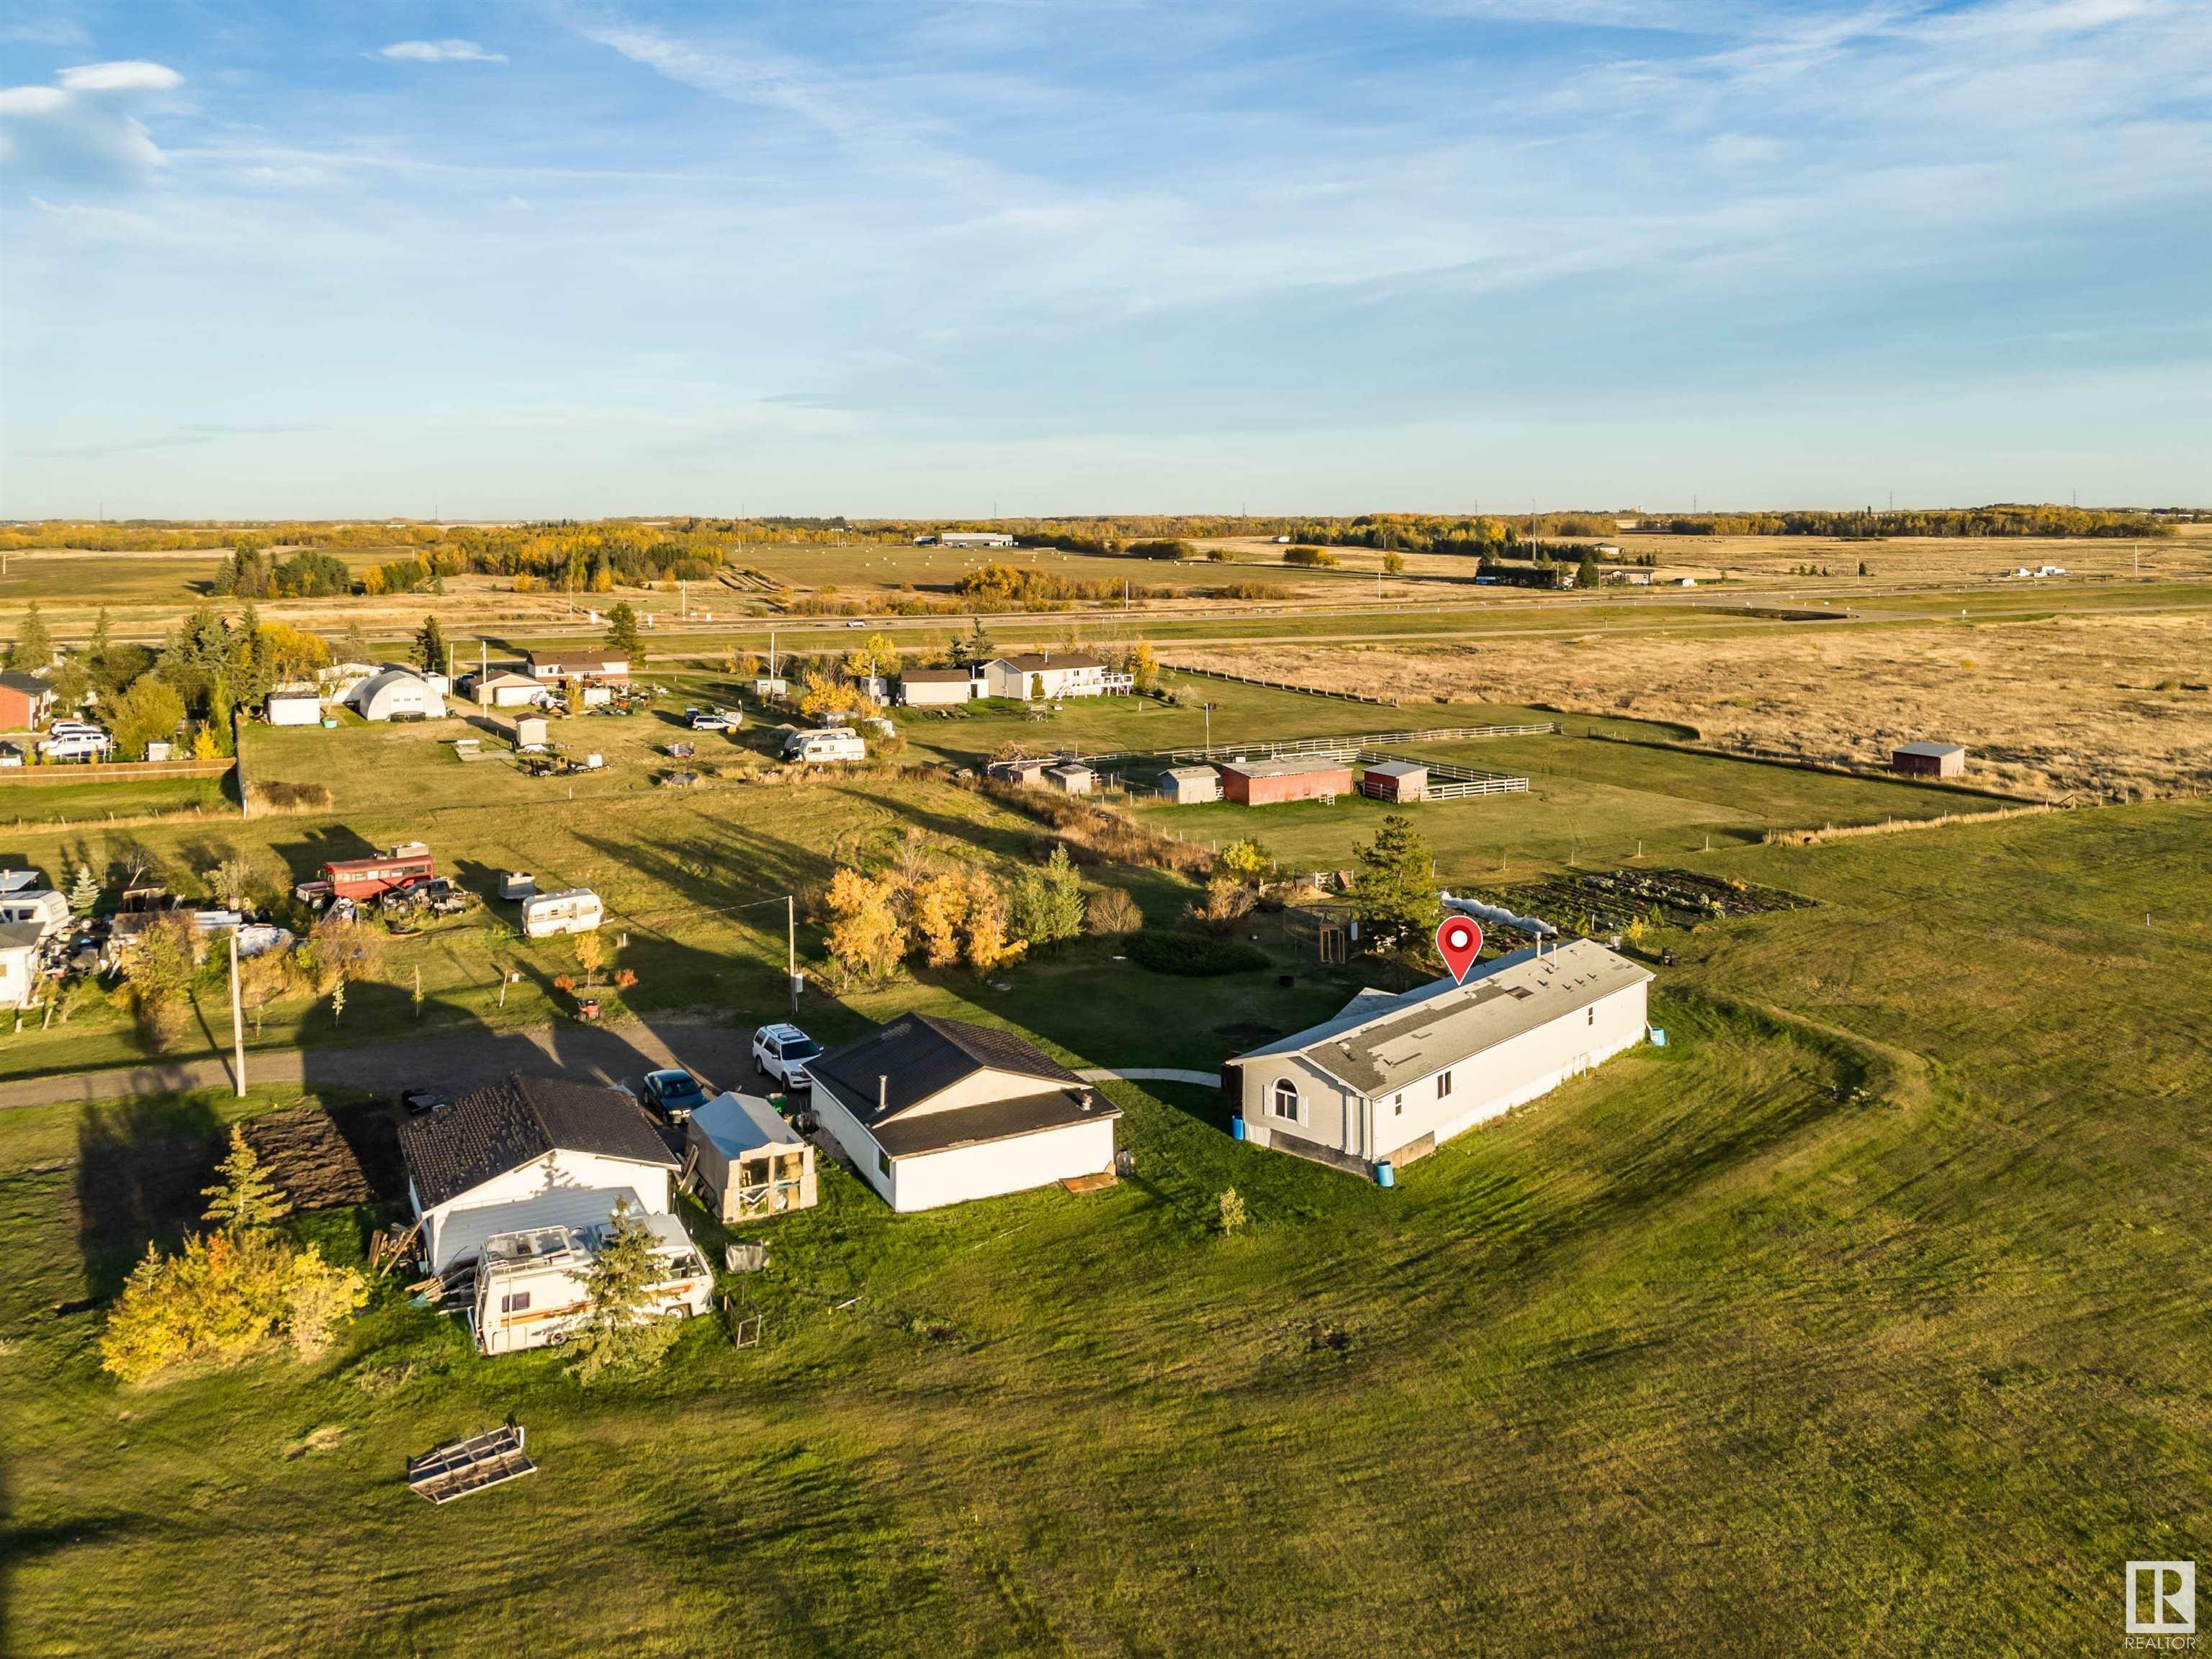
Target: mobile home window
x: 1285, y: 1101
x: 1443, y: 1084
x: 883, y: 1162
x: 514, y: 1301
x: 1397, y: 1105
x: 1592, y: 1014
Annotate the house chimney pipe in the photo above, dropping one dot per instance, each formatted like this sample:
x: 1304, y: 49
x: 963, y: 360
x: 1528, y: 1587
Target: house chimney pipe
x: 883, y: 1093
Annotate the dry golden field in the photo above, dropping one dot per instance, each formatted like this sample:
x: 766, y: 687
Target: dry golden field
x: 2110, y: 704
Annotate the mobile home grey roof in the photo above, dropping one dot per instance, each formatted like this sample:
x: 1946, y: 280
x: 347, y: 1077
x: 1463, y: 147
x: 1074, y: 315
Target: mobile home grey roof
x: 1033, y: 662
x: 1377, y: 1045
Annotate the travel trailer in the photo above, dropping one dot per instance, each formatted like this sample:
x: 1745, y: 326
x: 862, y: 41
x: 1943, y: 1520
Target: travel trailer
x: 572, y: 910
x: 835, y: 744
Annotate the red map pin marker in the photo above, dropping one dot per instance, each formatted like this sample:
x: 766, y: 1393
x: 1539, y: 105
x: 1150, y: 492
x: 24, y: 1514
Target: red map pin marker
x: 1460, y: 942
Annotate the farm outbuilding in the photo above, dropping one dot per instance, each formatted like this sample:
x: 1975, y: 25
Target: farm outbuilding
x: 934, y: 688
x: 1188, y: 786
x: 1930, y: 760
x: 24, y: 699
x: 1268, y: 782
x: 749, y: 1162
x: 1400, y: 780
x: 1070, y: 777
x: 504, y: 689
x: 397, y: 694
x: 295, y: 709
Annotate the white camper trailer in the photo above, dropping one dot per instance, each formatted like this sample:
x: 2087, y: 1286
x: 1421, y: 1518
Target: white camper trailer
x: 26, y: 898
x: 572, y: 910
x: 530, y: 1274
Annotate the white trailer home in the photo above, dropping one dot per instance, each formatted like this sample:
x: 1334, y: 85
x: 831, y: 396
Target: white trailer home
x: 1051, y: 674
x: 533, y: 1260
x: 750, y: 1163
x: 827, y: 745
x: 519, y: 1139
x: 935, y: 688
x: 1391, y: 1077
x: 937, y: 1111
x: 19, y: 962
x: 572, y: 910
x: 26, y: 898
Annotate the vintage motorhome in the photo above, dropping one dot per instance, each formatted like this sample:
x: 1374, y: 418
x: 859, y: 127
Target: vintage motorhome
x: 830, y: 744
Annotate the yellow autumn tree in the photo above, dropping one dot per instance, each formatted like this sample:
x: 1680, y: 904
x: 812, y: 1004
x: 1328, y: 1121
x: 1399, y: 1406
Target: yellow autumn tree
x: 989, y: 947
x: 819, y: 694
x: 865, y: 940
x: 940, y: 910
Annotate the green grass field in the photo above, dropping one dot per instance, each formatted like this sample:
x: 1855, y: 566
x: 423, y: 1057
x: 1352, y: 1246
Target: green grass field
x: 1865, y: 1316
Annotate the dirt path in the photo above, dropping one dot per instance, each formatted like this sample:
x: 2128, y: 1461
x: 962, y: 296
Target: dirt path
x: 620, y: 1052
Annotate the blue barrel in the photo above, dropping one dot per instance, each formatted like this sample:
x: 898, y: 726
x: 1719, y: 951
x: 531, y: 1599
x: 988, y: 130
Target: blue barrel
x: 1237, y: 1128
x: 1385, y: 1174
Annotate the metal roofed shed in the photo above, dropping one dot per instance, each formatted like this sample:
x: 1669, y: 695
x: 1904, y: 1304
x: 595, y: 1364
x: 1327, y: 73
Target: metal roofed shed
x: 1189, y: 786
x: 1930, y: 760
x: 1392, y: 1077
x: 1072, y: 777
x: 1394, y: 780
x: 750, y: 1163
x: 1269, y: 782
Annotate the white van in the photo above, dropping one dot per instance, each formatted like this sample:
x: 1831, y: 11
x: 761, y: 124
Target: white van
x: 572, y: 910
x: 836, y: 743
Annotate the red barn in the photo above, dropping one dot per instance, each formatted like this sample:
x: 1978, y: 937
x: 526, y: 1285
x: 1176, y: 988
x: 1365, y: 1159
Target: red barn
x: 1265, y: 782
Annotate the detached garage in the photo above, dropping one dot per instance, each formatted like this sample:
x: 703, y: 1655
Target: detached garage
x: 937, y: 1111
x: 295, y: 709
x: 1399, y: 781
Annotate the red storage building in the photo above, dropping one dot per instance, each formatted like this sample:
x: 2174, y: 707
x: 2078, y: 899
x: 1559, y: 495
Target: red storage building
x: 1265, y: 782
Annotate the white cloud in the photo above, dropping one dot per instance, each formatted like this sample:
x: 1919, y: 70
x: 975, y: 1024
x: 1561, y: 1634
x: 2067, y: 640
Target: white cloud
x: 441, y: 51
x: 128, y: 75
x: 82, y: 132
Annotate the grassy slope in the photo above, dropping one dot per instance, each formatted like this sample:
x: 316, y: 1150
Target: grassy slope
x: 1771, y: 1340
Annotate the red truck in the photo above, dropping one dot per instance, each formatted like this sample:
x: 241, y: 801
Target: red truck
x: 365, y: 880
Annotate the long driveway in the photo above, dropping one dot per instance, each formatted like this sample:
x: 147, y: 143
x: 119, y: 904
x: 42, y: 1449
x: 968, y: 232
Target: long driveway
x: 618, y: 1052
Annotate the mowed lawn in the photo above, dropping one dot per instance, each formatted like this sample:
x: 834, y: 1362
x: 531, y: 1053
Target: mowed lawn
x: 1866, y: 1317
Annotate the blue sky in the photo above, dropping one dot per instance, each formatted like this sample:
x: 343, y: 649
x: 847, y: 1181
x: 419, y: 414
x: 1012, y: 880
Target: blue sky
x: 1043, y: 255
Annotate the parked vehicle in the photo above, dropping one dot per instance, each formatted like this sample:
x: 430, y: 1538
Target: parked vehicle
x: 94, y: 744
x: 432, y: 894
x: 781, y: 1051
x: 674, y: 1093
x: 10, y: 755
x: 572, y: 910
x: 530, y: 1283
x: 836, y: 743
x: 363, y: 881
x: 717, y: 720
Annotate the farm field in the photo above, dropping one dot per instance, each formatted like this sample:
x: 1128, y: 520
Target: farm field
x: 1842, y: 1272
x: 2113, y: 704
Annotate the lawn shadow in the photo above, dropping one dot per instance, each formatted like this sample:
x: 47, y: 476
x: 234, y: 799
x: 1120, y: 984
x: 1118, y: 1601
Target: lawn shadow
x: 141, y: 1165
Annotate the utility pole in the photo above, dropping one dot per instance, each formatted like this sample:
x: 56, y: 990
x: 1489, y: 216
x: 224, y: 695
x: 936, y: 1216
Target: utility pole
x: 791, y: 948
x: 683, y: 589
x: 237, y: 1021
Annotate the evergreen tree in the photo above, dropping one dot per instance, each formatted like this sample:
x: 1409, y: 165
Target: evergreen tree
x: 619, y: 1331
x: 96, y: 651
x: 1394, y: 893
x: 1587, y: 573
x: 623, y: 634
x: 84, y: 891
x: 430, y: 647
x: 244, y: 1198
x: 33, y: 650
x: 356, y: 647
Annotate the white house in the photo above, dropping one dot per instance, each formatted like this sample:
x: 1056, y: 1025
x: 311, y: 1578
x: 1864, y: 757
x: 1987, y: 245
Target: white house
x: 936, y: 1111
x: 966, y: 538
x: 563, y: 667
x: 395, y: 693
x: 503, y: 688
x: 19, y: 961
x: 517, y: 1139
x: 1049, y: 674
x: 1391, y: 1077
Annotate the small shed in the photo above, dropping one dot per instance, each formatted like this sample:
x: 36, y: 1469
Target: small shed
x: 1399, y: 781
x: 751, y: 1164
x: 530, y: 733
x: 295, y: 709
x: 1024, y: 771
x: 1930, y: 760
x: 1070, y: 777
x: 1268, y: 782
x: 1188, y: 785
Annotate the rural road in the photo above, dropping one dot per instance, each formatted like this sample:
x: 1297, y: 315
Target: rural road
x: 619, y: 1052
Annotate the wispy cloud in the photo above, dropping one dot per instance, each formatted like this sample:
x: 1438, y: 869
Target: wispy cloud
x: 439, y: 52
x: 183, y: 437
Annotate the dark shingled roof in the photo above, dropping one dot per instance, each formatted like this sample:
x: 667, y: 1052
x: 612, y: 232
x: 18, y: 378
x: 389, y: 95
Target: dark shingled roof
x: 997, y: 1120
x: 29, y: 684
x: 1029, y: 662
x: 920, y: 1055
x: 507, y: 1125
